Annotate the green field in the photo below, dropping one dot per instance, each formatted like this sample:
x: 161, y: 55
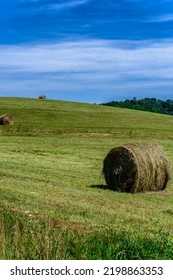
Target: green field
x: 54, y: 203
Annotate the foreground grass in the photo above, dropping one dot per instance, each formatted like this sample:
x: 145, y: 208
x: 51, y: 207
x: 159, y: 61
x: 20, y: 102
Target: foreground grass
x: 54, y: 202
x: 29, y: 238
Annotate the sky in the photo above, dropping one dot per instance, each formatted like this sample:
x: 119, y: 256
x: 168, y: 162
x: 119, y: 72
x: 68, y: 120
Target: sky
x: 91, y: 51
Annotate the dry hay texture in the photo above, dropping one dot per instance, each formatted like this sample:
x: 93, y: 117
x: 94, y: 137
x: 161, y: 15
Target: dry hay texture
x: 6, y: 119
x: 136, y: 167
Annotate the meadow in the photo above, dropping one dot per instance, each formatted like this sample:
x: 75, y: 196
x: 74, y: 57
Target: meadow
x: 54, y: 203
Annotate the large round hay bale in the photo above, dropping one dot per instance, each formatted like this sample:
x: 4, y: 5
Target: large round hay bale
x: 136, y: 167
x: 6, y: 119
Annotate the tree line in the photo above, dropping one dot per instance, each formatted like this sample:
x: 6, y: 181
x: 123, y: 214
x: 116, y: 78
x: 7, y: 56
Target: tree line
x: 146, y: 104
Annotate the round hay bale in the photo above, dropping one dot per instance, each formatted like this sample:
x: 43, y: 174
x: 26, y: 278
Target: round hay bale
x: 6, y: 119
x: 136, y: 167
x: 42, y: 97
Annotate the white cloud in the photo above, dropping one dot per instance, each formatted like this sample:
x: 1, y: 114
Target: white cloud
x: 88, y: 65
x: 89, y: 56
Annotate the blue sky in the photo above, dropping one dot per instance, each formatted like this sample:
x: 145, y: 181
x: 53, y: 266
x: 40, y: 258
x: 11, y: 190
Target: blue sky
x: 86, y: 50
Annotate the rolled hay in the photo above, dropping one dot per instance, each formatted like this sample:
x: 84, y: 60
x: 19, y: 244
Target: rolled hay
x: 42, y: 97
x: 136, y: 167
x: 6, y: 119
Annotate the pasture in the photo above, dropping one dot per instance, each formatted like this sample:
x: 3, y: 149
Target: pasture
x: 54, y: 203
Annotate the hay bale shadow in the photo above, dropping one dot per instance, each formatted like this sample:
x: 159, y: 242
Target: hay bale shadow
x: 103, y: 187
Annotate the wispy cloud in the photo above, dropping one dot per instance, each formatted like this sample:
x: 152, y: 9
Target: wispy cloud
x: 37, y: 6
x: 161, y: 18
x: 91, y: 55
x: 34, y: 20
x: 69, y: 4
x: 90, y: 66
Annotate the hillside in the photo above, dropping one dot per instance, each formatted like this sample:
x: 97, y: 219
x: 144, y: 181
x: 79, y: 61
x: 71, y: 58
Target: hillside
x: 53, y: 195
x: 53, y: 117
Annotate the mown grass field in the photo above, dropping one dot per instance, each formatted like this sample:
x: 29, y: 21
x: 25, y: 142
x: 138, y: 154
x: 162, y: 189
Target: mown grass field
x: 54, y: 203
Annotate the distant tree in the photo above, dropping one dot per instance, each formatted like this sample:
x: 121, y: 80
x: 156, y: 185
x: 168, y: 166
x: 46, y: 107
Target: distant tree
x: 145, y: 104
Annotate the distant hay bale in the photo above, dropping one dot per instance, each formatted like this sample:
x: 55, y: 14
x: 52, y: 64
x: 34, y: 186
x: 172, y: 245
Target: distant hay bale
x: 6, y: 119
x: 42, y: 97
x: 136, y: 167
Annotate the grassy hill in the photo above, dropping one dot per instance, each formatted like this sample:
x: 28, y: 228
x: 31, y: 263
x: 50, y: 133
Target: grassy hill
x: 53, y: 200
